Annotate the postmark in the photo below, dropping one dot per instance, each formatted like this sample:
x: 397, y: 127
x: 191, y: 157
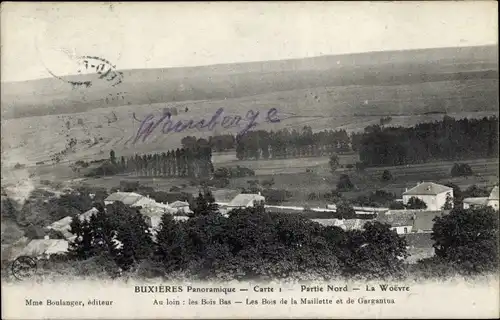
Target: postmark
x: 88, y: 69
x: 24, y: 267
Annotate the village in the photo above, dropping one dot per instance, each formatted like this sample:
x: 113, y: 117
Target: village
x: 415, y: 225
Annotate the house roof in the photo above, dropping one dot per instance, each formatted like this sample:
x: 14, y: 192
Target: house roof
x: 38, y: 247
x: 427, y: 188
x: 127, y: 198
x: 399, y: 218
x: 424, y: 220
x: 88, y: 214
x: 329, y: 222
x: 494, y: 194
x: 179, y: 204
x: 478, y: 201
x: 243, y: 199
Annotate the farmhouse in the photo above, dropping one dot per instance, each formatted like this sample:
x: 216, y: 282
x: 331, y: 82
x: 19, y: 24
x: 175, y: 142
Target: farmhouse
x: 434, y: 195
x: 491, y: 200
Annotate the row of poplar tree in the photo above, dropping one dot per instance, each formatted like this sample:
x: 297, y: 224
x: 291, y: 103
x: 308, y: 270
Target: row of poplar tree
x: 184, y: 162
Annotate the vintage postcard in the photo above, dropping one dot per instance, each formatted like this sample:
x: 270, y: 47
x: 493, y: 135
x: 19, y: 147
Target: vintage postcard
x: 249, y: 160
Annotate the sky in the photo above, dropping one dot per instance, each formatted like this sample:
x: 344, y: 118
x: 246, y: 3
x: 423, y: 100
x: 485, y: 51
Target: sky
x: 40, y: 36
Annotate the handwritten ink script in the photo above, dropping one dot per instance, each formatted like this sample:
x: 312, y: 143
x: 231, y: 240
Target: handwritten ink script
x: 167, y: 124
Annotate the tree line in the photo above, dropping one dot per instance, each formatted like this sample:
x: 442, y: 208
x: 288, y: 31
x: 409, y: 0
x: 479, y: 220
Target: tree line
x: 448, y: 139
x: 195, y: 162
x: 378, y: 145
x: 283, y: 143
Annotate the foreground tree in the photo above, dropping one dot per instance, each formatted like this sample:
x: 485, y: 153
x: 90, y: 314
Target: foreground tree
x: 374, y: 252
x: 468, y: 238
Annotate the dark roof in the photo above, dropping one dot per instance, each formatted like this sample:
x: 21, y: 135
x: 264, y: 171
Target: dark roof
x: 424, y: 220
x: 427, y: 188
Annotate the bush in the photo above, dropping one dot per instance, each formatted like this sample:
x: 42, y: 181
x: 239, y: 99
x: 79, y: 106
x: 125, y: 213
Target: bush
x: 19, y: 166
x: 461, y: 170
x: 129, y: 186
x: 345, y: 210
x: 276, y: 196
x: 396, y: 205
x: 344, y: 183
x: 378, y: 198
x: 416, y: 203
x: 386, y: 176
x: 313, y: 196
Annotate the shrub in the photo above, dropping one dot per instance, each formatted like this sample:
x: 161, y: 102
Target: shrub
x: 275, y: 196
x: 396, y: 205
x: 345, y: 210
x: 313, y: 196
x: 344, y: 183
x: 416, y: 203
x: 386, y: 176
x: 19, y: 166
x: 461, y: 170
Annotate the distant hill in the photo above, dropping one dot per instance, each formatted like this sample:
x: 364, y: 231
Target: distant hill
x: 230, y: 81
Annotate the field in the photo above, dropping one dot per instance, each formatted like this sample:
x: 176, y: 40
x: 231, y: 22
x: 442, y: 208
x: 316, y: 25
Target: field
x: 43, y: 119
x: 301, y: 183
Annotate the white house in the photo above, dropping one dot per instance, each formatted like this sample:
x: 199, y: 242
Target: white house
x: 246, y: 200
x: 491, y: 200
x: 433, y: 194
